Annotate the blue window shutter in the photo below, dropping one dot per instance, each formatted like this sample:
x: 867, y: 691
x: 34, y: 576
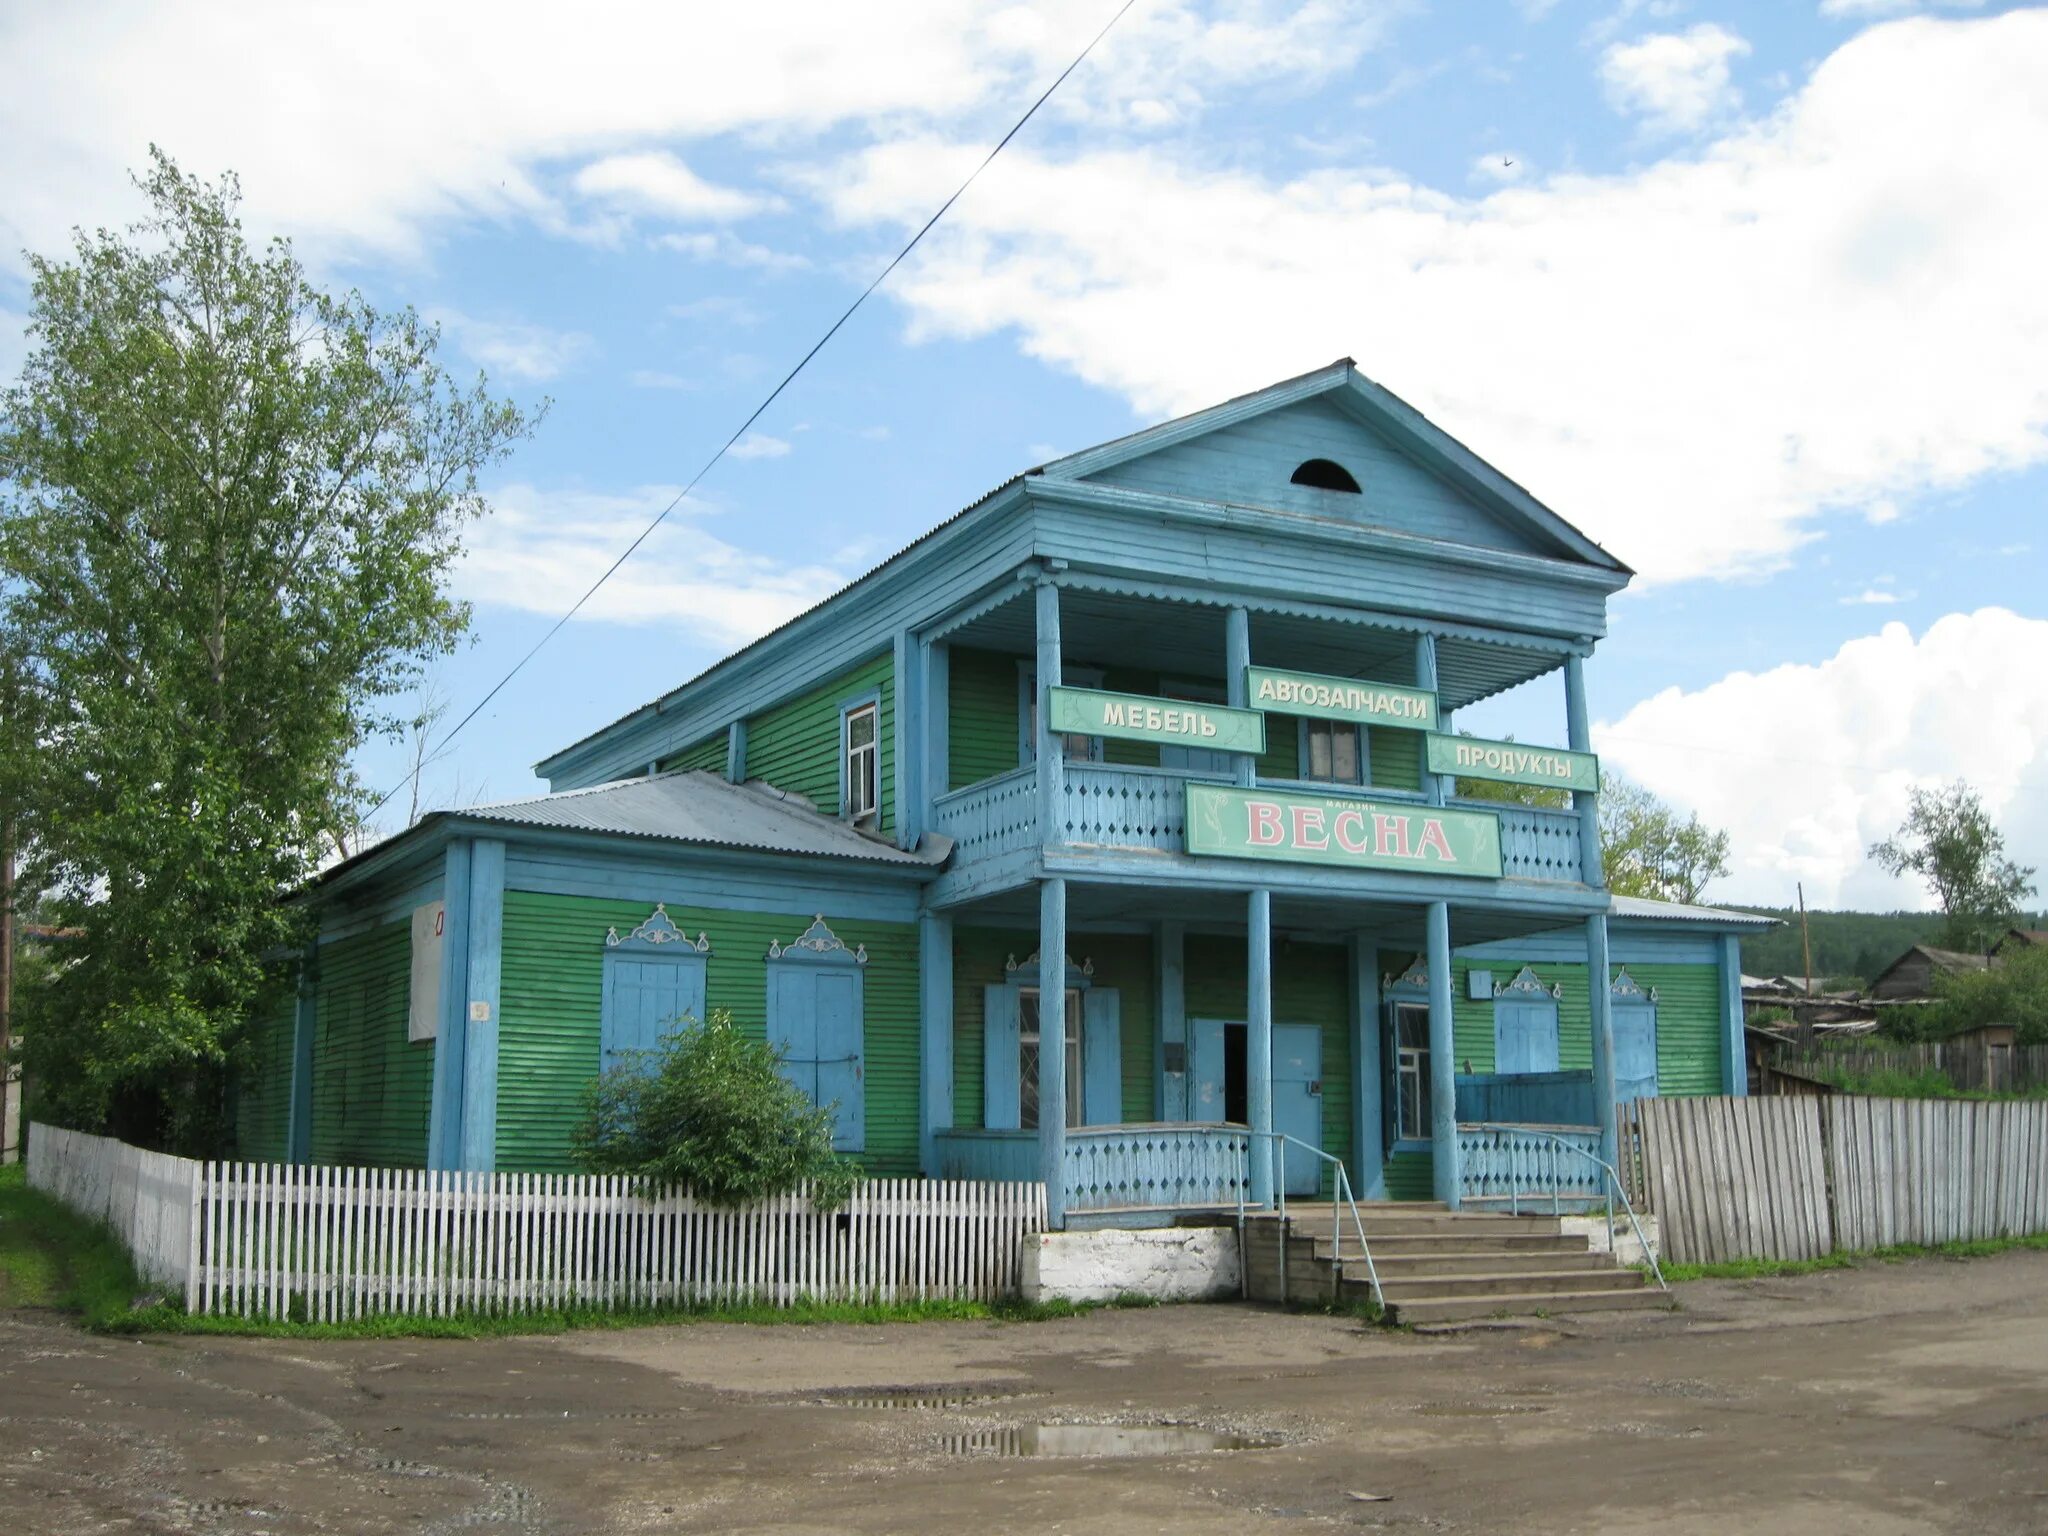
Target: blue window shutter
x: 645, y: 999
x: 836, y: 1012
x: 1102, y: 1057
x: 999, y: 1103
x: 1635, y: 1051
x: 791, y: 1032
x: 1524, y: 1037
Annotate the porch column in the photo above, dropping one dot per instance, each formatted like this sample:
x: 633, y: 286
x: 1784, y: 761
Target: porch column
x: 1237, y: 655
x: 1258, y: 1041
x: 480, y: 1037
x: 1368, y: 1075
x: 1052, y: 765
x: 1734, y: 1058
x: 935, y: 1043
x: 1443, y: 1065
x: 1170, y: 947
x: 1598, y: 996
x: 936, y: 660
x: 1425, y: 679
x: 1579, y: 737
x: 907, y: 667
x: 444, y: 1115
x: 1052, y: 1041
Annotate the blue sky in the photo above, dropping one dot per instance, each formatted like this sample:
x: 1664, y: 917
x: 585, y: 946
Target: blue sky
x: 1746, y: 290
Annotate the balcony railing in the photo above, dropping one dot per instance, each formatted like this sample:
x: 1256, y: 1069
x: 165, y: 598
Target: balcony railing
x: 1116, y: 1167
x: 1107, y: 806
x: 1522, y: 1165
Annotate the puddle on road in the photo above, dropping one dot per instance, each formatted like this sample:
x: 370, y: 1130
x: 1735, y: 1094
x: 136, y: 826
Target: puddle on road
x: 916, y: 1397
x: 1118, y: 1440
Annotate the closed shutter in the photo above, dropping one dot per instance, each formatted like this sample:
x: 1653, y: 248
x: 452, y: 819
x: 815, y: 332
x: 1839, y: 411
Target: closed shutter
x: 1524, y: 1037
x: 999, y: 1099
x: 815, y: 1024
x: 645, y: 999
x: 1102, y: 1057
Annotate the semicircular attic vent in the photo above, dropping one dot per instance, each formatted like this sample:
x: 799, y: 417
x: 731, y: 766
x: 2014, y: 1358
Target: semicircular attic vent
x: 1325, y: 475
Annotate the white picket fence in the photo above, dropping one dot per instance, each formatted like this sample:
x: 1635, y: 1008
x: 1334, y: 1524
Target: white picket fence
x: 329, y: 1244
x: 146, y: 1197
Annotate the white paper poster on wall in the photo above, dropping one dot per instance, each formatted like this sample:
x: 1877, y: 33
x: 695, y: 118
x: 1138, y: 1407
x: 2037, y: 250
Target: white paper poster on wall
x: 423, y: 1014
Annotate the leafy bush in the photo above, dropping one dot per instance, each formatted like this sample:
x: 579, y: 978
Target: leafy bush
x: 710, y: 1111
x: 2014, y: 990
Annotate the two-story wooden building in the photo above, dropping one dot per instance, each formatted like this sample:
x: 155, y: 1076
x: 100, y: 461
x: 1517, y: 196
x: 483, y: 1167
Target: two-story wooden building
x: 1163, y: 730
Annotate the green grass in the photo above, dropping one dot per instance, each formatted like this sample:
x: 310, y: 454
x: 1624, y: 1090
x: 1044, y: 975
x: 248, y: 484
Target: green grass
x: 51, y: 1257
x: 1766, y: 1269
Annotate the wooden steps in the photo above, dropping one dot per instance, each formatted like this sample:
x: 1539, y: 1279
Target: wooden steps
x: 1438, y: 1266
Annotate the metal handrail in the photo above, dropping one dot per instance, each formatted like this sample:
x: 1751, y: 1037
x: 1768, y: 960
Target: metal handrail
x: 1341, y: 1189
x: 1614, y: 1180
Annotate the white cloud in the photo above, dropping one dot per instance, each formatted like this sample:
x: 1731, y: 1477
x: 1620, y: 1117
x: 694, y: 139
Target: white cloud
x: 1807, y: 765
x: 1876, y: 10
x: 539, y: 550
x: 759, y: 445
x: 1502, y: 167
x: 655, y: 378
x: 726, y: 247
x: 1691, y: 361
x: 657, y: 182
x: 510, y: 350
x: 1677, y: 82
x: 1871, y: 597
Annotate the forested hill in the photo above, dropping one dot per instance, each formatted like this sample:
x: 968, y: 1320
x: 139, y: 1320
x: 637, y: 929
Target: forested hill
x: 1858, y: 944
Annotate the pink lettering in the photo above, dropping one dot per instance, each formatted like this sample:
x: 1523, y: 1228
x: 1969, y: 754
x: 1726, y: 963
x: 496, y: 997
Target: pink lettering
x: 1308, y: 828
x: 1265, y: 830
x: 1349, y: 830
x: 1392, y: 833
x: 1433, y: 837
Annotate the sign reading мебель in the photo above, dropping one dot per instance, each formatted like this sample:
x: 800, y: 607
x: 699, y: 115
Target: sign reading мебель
x: 1467, y: 757
x: 1133, y: 717
x: 1323, y: 829
x: 1339, y: 698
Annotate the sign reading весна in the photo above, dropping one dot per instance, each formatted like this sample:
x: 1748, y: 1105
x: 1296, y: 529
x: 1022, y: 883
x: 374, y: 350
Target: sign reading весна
x: 1134, y: 717
x: 1467, y: 757
x: 1339, y: 698
x: 1323, y: 829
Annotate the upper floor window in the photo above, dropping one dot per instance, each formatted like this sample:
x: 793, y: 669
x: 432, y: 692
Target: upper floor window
x: 1325, y: 475
x: 860, y: 768
x: 1073, y: 746
x: 1333, y: 751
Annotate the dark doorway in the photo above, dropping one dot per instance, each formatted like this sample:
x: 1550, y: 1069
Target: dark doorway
x: 1236, y: 1102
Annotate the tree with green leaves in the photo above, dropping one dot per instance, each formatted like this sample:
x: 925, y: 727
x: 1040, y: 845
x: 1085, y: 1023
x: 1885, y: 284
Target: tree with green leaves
x: 709, y: 1111
x: 1948, y: 840
x: 229, y: 505
x: 1647, y: 850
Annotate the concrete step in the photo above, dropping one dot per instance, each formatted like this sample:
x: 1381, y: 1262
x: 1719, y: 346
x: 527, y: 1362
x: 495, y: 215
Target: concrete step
x: 1392, y: 1265
x: 1415, y: 1223
x: 1454, y: 1309
x: 1464, y: 1241
x: 1510, y: 1283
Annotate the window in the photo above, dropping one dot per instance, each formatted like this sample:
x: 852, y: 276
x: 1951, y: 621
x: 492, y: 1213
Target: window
x: 1325, y: 475
x: 1029, y: 1035
x: 1074, y: 746
x: 1411, y: 1071
x: 1333, y: 752
x: 860, y: 777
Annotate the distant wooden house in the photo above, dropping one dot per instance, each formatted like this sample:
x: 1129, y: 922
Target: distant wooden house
x: 1910, y: 978
x: 2020, y: 938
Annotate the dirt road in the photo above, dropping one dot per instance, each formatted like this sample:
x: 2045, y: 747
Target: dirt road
x: 1899, y: 1398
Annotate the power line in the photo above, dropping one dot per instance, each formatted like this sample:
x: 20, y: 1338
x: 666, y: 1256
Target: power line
x: 787, y: 379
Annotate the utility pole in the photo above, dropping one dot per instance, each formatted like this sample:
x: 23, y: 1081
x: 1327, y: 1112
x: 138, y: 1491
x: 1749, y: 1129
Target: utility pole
x: 1805, y: 936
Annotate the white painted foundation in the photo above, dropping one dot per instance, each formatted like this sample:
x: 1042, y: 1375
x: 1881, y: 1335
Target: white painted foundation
x: 1626, y: 1249
x: 1161, y: 1263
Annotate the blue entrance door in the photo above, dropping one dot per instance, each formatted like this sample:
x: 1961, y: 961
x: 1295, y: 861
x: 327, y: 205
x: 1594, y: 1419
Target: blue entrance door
x: 1298, y: 1101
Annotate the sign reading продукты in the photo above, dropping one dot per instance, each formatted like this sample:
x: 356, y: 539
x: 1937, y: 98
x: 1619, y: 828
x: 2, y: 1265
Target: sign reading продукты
x: 1507, y: 762
x: 1339, y: 698
x: 1179, y: 722
x: 1323, y: 829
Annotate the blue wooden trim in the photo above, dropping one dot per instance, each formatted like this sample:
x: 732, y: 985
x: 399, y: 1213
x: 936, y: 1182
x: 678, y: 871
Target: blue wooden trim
x: 1157, y: 868
x: 1426, y: 680
x: 1579, y: 737
x: 1052, y: 1065
x: 912, y: 713
x: 713, y: 882
x: 1368, y: 1128
x: 480, y: 1038
x: 1092, y: 461
x: 1258, y: 1074
x: 736, y: 752
x: 1599, y: 999
x: 1443, y: 1094
x: 444, y: 1116
x: 1170, y: 1092
x: 1237, y: 660
x: 935, y: 1034
x: 1734, y: 1059
x: 1628, y: 946
x: 305, y: 1021
x: 935, y: 691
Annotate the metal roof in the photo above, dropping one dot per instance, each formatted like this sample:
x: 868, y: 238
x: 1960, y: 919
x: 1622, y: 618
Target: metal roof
x: 700, y: 807
x: 1679, y: 912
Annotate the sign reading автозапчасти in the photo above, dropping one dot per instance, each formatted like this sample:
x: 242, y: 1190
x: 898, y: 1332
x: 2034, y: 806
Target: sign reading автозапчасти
x: 1339, y: 698
x: 1507, y: 762
x: 1323, y: 829
x: 1134, y: 717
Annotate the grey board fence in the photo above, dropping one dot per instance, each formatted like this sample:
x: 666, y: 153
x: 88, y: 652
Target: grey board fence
x: 1797, y: 1178
x: 1969, y: 1066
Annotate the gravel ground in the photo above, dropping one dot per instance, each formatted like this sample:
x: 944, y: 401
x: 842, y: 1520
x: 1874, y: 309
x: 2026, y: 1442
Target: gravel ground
x: 1897, y: 1398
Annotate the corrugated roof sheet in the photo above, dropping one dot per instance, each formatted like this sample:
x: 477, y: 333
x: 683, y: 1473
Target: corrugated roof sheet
x: 1679, y: 912
x: 700, y: 807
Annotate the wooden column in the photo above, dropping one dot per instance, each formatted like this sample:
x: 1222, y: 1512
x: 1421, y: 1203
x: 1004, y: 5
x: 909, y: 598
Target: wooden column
x: 1599, y: 999
x: 736, y: 752
x: 1170, y: 948
x: 1368, y: 1073
x: 1052, y: 1045
x: 936, y: 660
x: 1734, y: 1057
x: 486, y: 927
x: 444, y: 1116
x: 1258, y: 1041
x: 1425, y: 679
x: 1579, y: 737
x: 1237, y: 655
x: 1443, y: 1065
x: 907, y: 666
x: 1051, y: 761
x: 935, y: 1045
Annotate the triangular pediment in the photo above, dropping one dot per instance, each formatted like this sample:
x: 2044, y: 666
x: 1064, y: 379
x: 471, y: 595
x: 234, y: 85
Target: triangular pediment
x: 1412, y: 477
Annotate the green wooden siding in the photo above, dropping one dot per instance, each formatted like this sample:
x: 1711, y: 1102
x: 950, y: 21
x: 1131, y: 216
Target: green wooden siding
x: 1411, y: 1176
x: 795, y: 745
x: 263, y: 1076
x: 708, y: 754
x: 1688, y: 1021
x: 981, y: 721
x: 1121, y: 960
x: 552, y: 993
x: 371, y: 1088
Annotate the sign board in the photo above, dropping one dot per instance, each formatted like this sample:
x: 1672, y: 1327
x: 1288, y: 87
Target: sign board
x: 423, y: 1004
x: 1507, y: 762
x: 1339, y: 698
x: 1235, y: 823
x: 1174, y: 722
